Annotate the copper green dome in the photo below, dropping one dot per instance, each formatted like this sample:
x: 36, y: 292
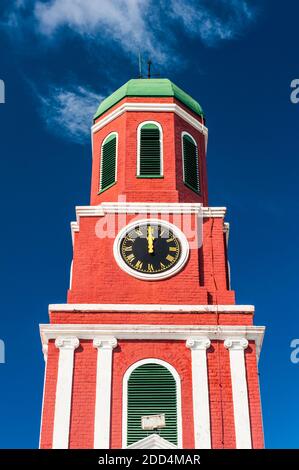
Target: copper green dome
x: 157, y: 87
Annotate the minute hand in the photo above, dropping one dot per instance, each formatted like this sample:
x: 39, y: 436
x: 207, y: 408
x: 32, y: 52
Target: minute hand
x: 150, y: 240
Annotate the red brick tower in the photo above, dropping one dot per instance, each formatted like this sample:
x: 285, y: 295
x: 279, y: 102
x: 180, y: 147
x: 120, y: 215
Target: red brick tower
x: 150, y: 350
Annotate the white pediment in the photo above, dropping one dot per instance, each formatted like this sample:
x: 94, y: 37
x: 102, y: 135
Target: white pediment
x: 152, y: 442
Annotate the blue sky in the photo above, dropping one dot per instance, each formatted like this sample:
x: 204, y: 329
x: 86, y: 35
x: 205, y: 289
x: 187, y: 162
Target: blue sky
x: 238, y: 59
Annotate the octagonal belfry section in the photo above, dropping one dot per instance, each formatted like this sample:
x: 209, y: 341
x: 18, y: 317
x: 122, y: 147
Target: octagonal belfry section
x: 149, y: 145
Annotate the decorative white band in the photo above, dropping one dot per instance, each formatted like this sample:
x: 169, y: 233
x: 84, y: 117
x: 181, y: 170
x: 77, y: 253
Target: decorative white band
x: 150, y: 107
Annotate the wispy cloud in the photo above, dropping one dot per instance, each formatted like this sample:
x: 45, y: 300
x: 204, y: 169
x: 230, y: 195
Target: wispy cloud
x: 213, y: 21
x: 137, y: 23
x: 68, y: 112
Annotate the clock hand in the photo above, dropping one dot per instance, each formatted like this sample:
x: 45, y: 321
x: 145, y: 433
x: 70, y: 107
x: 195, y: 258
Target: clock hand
x: 150, y: 239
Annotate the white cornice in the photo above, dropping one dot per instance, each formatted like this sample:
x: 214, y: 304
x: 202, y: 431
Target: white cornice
x: 150, y: 107
x: 144, y: 208
x: 151, y: 208
x: 153, y: 332
x: 150, y: 308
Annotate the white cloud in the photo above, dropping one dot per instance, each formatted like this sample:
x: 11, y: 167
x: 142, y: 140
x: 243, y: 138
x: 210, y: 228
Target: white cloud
x: 146, y: 24
x: 69, y: 112
x: 213, y: 23
x: 122, y: 21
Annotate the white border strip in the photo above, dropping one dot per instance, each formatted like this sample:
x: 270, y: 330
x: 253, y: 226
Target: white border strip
x: 153, y: 332
x: 151, y: 308
x: 150, y: 107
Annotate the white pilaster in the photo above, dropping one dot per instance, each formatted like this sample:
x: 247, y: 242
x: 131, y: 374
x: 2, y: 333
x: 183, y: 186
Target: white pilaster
x: 200, y: 391
x: 103, y: 392
x: 236, y: 347
x: 67, y: 346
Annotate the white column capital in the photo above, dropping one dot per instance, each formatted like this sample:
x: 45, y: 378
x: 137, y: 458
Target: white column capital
x: 67, y: 342
x: 198, y: 343
x: 105, y: 343
x: 236, y: 344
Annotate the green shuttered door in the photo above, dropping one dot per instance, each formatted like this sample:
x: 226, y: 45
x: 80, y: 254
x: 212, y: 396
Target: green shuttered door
x: 108, y: 165
x: 151, y: 390
x: 150, y: 151
x: 191, y: 170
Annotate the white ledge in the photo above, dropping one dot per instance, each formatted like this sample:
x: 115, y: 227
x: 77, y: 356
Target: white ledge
x: 150, y: 308
x: 154, y: 332
x: 144, y: 208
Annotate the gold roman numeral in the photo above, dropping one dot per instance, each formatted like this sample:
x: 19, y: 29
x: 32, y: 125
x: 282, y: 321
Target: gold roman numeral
x: 170, y: 258
x: 139, y: 233
x: 130, y: 257
x: 173, y: 248
x: 139, y: 264
x: 128, y: 248
x: 150, y: 268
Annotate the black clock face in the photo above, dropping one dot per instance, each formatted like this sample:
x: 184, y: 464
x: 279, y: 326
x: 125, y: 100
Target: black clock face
x: 150, y: 248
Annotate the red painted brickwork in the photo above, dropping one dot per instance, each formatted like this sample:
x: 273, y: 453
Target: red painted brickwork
x: 173, y: 352
x: 176, y: 354
x: 97, y: 278
x: 221, y: 404
x: 168, y: 189
x: 255, y: 410
x: 83, y: 398
x: 129, y: 318
x: 49, y: 397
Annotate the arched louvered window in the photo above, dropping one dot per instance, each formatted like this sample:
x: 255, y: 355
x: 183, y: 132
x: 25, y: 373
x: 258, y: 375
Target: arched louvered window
x: 150, y: 161
x: 151, y: 390
x: 108, y: 162
x: 190, y: 163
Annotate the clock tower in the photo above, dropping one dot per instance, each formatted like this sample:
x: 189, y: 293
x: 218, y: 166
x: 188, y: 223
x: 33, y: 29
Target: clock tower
x: 150, y: 350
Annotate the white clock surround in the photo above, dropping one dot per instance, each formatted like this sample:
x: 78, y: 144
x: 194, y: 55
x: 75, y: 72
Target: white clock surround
x: 156, y: 276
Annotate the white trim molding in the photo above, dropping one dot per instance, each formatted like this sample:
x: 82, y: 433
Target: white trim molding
x: 150, y: 107
x: 156, y: 123
x: 200, y: 391
x: 63, y: 399
x: 157, y: 276
x: 153, y: 332
x: 103, y: 391
x: 175, y: 375
x: 144, y: 208
x: 236, y: 347
x: 151, y: 308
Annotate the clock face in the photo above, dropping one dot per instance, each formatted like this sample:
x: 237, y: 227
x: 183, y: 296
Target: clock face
x: 150, y: 248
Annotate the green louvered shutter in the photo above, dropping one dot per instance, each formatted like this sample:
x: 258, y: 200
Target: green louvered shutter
x: 150, y: 151
x: 108, y: 164
x: 191, y: 169
x: 151, y: 390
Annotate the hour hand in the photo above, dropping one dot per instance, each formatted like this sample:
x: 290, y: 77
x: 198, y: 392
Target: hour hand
x: 150, y: 239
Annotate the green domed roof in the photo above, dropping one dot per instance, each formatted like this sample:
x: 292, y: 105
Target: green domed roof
x: 149, y: 87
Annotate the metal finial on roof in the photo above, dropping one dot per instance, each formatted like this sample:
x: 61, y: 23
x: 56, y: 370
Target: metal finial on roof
x: 149, y: 64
